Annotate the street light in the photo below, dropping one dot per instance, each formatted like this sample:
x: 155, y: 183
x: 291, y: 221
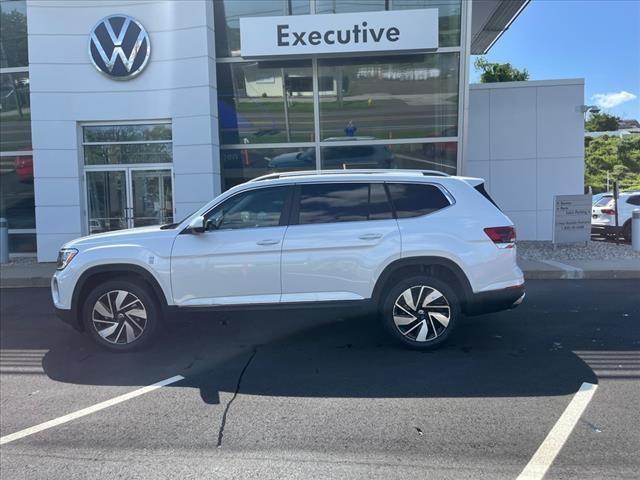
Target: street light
x: 589, y: 109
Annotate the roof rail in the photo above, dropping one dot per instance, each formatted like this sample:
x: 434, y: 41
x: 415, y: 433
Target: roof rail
x: 299, y: 173
x: 435, y: 173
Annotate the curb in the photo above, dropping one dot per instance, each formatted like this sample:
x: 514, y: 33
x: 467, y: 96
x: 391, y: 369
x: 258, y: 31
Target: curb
x: 25, y: 282
x: 581, y: 275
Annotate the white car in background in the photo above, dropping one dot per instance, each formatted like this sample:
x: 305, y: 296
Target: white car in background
x: 603, y: 219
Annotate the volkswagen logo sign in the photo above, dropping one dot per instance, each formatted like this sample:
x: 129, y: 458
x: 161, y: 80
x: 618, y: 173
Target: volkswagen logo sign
x: 119, y: 47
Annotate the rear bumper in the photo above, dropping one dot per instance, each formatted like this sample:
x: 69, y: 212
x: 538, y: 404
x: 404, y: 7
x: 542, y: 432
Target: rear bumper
x: 596, y: 228
x: 495, y: 300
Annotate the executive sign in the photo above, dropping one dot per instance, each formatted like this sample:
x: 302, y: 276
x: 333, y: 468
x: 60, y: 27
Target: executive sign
x: 119, y: 47
x: 339, y: 33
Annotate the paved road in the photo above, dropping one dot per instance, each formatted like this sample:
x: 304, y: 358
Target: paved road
x: 312, y: 395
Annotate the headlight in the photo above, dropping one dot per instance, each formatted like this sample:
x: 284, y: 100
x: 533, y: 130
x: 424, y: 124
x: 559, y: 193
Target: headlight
x: 65, y: 256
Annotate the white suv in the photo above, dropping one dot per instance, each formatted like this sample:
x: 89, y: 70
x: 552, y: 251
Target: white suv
x: 421, y: 248
x: 603, y: 214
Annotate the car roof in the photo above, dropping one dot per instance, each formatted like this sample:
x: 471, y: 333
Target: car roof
x: 318, y: 176
x: 310, y: 176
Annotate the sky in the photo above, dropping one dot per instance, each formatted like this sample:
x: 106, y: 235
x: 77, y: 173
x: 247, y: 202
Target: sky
x: 598, y: 40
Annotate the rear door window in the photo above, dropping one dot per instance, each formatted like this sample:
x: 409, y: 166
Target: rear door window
x: 342, y: 202
x: 415, y: 199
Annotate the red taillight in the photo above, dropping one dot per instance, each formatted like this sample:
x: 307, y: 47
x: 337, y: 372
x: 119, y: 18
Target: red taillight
x: 503, y: 237
x: 608, y: 211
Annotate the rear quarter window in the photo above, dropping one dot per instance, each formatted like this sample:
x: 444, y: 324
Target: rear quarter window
x: 634, y: 200
x: 414, y: 199
x: 604, y: 201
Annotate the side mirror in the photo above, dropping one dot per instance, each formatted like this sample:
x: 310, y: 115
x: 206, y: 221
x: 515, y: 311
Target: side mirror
x: 197, y: 225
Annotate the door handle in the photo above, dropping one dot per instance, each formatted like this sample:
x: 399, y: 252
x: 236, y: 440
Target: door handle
x: 268, y: 242
x: 370, y: 236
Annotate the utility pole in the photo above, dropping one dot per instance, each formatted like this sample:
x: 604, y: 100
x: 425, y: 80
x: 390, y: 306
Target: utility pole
x: 615, y: 210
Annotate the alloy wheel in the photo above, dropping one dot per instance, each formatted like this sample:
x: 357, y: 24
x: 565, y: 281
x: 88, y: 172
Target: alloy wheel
x: 119, y: 317
x: 421, y: 313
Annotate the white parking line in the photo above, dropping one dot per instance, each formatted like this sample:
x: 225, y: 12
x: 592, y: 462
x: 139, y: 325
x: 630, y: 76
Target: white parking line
x: 550, y: 447
x: 89, y: 410
x: 569, y: 270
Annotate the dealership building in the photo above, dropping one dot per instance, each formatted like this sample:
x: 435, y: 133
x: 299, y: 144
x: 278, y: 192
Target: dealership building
x: 117, y: 114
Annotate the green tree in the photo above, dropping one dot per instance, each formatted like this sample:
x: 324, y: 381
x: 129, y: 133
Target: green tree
x: 601, y: 122
x: 619, y: 157
x: 629, y: 152
x: 499, y: 72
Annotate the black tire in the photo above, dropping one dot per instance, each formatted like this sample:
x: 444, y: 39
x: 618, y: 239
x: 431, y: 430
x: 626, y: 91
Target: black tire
x: 139, y: 300
x: 426, y: 316
x: 626, y: 231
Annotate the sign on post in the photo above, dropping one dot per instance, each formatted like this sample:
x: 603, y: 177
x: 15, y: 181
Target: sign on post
x: 401, y: 30
x: 571, y: 218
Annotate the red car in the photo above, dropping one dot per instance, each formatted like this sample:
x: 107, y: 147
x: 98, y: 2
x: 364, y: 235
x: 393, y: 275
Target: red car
x: 24, y: 169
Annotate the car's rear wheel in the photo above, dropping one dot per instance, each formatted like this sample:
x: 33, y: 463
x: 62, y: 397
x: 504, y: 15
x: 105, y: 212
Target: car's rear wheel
x: 421, y: 312
x: 121, y: 315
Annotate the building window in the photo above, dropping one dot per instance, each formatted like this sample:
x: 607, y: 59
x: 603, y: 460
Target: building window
x: 448, y: 13
x: 15, y: 134
x: 392, y: 110
x: 227, y: 15
x: 240, y: 165
x: 17, y: 203
x: 16, y: 183
x: 13, y: 34
x: 440, y: 156
x: 265, y: 102
x: 390, y: 97
x: 127, y: 144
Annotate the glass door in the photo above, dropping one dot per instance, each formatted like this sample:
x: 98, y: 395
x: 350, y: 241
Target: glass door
x: 107, y: 200
x: 129, y: 197
x: 152, y: 197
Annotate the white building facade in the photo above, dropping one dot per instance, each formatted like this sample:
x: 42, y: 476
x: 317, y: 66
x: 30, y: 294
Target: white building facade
x: 86, y: 150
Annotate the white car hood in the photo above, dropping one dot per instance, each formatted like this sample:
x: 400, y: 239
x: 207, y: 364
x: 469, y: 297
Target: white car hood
x: 132, y: 235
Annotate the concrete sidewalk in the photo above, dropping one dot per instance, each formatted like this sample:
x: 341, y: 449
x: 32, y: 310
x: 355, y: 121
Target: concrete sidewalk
x: 39, y: 274
x: 15, y: 275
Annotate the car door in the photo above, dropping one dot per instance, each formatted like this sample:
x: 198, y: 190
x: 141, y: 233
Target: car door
x: 341, y: 236
x: 237, y: 259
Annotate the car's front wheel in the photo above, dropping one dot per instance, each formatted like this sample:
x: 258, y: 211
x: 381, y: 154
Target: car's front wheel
x: 121, y: 315
x: 421, y: 312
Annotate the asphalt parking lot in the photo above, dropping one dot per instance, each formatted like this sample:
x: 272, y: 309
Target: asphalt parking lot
x: 314, y: 395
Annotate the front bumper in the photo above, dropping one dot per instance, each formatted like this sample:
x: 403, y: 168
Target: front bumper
x: 495, y: 300
x: 69, y: 317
